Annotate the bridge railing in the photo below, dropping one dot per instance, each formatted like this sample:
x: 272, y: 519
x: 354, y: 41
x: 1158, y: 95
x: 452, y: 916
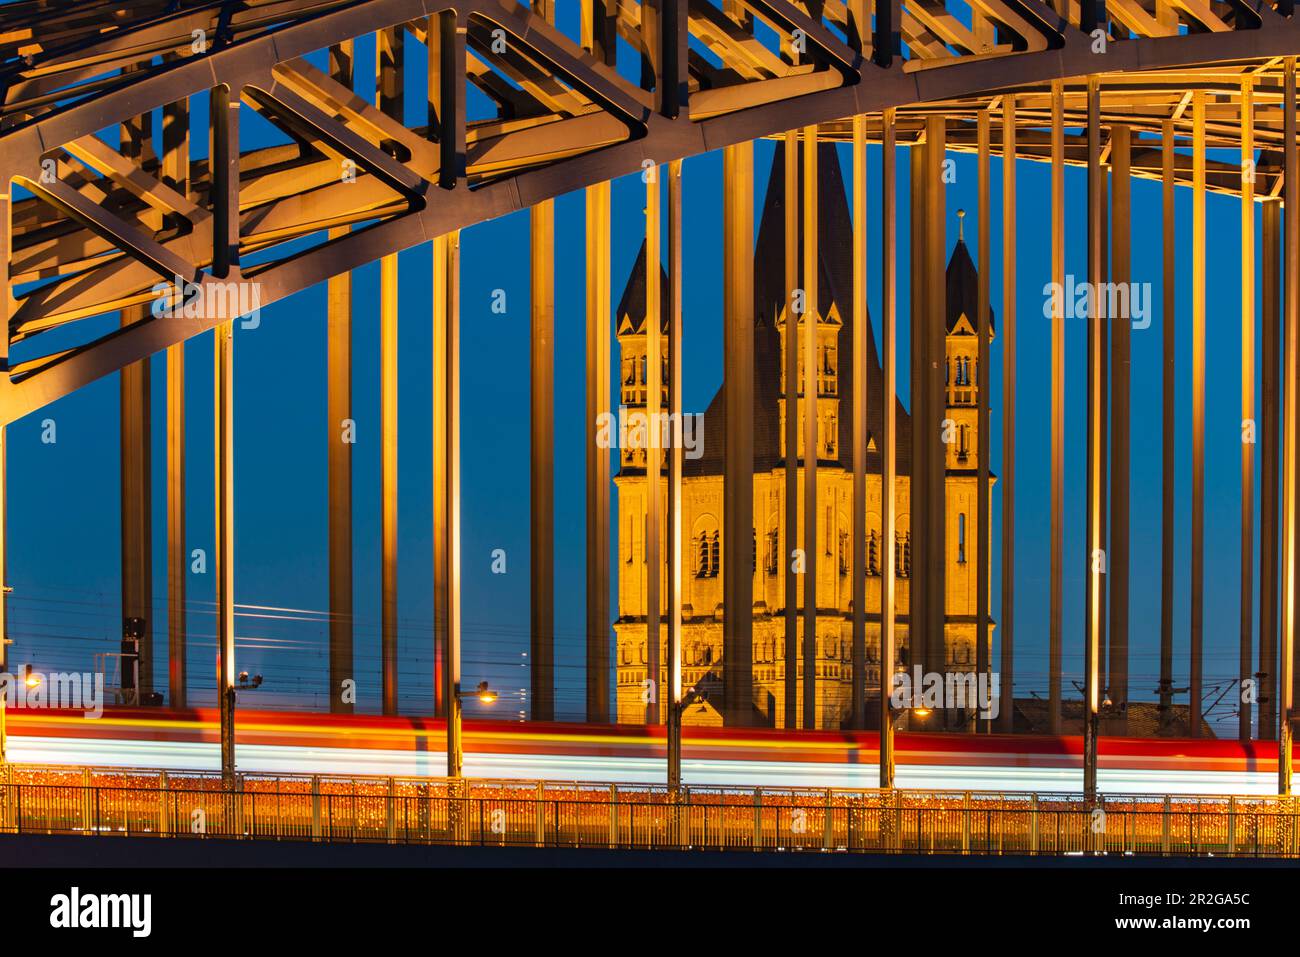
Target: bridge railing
x: 549, y: 814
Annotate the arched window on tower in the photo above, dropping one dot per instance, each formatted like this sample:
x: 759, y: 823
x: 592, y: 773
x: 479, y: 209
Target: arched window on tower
x: 715, y: 549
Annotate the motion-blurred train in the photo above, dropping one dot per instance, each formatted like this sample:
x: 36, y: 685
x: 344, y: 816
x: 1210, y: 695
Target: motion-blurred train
x: 308, y: 743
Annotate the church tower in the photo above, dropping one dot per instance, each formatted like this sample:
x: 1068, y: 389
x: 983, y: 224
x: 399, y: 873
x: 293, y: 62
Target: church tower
x: 703, y: 493
x: 962, y: 353
x: 632, y: 345
x: 964, y: 446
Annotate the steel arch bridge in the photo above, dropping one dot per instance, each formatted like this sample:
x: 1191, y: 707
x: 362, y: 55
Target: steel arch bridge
x: 567, y: 119
x: 87, y: 230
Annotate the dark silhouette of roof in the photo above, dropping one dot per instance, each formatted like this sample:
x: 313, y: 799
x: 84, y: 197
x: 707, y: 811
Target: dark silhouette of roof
x: 632, y: 305
x: 962, y: 289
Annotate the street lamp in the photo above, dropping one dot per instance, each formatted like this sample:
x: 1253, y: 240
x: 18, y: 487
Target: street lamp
x: 891, y: 717
x: 482, y: 694
x: 243, y: 683
x: 675, y: 712
x: 455, y: 755
x: 1092, y: 726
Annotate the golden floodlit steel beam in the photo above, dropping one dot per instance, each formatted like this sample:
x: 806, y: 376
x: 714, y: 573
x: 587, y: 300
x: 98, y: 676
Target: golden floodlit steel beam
x: 597, y: 29
x: 177, y: 556
x: 983, y: 332
x: 598, y: 38
x: 1291, y: 311
x: 738, y: 462
x: 224, y: 551
x: 223, y: 148
x: 340, y: 435
x: 541, y: 645
x: 888, y: 445
x: 1248, y: 423
x: 1006, y: 656
x: 1169, y: 350
x: 136, y: 447
x: 445, y: 110
x: 1104, y: 446
x: 388, y: 296
x: 446, y: 485
x: 339, y: 432
x: 176, y: 174
x: 1117, y: 568
x: 598, y: 501
x: 1199, y: 279
x: 790, y: 195
x: 931, y: 484
x: 1057, y: 568
x: 858, y: 566
x: 1270, y: 382
x: 1095, y: 440
x: 812, y: 416
x: 918, y: 225
x: 389, y: 66
x: 653, y: 446
x: 673, y: 309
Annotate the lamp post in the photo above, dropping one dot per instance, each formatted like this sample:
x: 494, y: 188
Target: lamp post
x: 1091, y: 727
x: 455, y: 753
x: 227, y: 704
x: 675, y: 711
x: 890, y: 716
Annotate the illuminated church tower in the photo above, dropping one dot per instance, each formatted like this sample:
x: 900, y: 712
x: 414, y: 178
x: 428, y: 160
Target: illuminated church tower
x: 702, y: 487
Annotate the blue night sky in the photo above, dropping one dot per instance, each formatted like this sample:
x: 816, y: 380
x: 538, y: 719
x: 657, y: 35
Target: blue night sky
x: 64, y: 498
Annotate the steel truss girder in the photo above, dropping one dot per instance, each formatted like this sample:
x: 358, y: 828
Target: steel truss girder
x: 434, y: 200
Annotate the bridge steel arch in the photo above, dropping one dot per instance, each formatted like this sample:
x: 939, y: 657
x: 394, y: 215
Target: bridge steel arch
x: 866, y: 87
x: 98, y: 235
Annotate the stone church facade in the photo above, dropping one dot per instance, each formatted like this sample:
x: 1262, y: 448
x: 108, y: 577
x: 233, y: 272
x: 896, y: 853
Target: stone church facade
x: 702, y: 488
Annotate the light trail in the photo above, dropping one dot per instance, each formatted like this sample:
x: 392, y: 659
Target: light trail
x: 198, y: 756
